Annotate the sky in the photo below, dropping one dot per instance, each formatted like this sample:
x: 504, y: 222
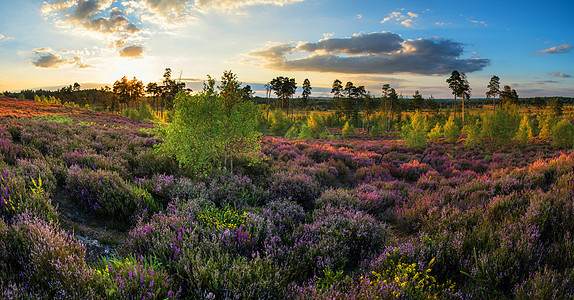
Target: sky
x: 412, y: 45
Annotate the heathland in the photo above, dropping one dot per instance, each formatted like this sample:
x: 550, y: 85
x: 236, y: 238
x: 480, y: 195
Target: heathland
x: 349, y: 205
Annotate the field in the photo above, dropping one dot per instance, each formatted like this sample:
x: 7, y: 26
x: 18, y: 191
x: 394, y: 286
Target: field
x: 89, y: 209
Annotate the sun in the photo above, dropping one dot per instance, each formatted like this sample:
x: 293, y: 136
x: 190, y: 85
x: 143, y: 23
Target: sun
x: 145, y: 69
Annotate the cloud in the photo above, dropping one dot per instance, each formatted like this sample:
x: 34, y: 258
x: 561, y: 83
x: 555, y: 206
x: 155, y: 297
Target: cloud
x: 477, y: 22
x: 374, y: 53
x: 96, y: 16
x: 359, y: 16
x: 561, y: 49
x: 173, y: 12
x: 378, y: 42
x: 132, y: 52
x: 398, y: 17
x: 4, y: 38
x: 442, y: 23
x: 46, y: 58
x: 558, y: 74
x: 49, y: 60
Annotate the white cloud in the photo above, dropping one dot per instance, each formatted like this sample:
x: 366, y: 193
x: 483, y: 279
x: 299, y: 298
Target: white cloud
x: 561, y: 49
x: 407, y: 20
x: 359, y: 16
x: 559, y: 74
x: 4, y: 38
x: 477, y: 22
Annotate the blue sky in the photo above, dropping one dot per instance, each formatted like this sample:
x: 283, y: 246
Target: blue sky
x: 413, y: 45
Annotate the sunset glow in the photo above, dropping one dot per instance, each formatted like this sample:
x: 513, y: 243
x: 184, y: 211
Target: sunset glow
x: 412, y: 45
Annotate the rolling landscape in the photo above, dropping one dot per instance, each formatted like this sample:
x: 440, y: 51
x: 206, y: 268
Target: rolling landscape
x: 423, y: 151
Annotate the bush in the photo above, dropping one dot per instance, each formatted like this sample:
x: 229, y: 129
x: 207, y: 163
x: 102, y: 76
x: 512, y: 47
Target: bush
x: 563, y: 135
x: 280, y: 123
x: 300, y: 188
x: 414, y: 133
x: 45, y: 260
x: 348, y: 130
x: 107, y: 194
x: 524, y: 133
x: 451, y: 131
x: 473, y: 134
x: 436, y: 133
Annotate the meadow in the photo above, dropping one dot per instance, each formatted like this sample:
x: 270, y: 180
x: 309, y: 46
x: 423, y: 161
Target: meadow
x: 90, y: 209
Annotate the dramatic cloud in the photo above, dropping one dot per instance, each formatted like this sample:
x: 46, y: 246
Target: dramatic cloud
x: 169, y: 12
x: 45, y: 58
x: 94, y: 16
x: 398, y: 17
x: 558, y: 74
x: 132, y: 51
x: 374, y: 53
x: 564, y: 48
x: 378, y: 42
x: 49, y: 60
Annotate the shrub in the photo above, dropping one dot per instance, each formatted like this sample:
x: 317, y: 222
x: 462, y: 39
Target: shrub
x: 414, y: 133
x: 348, y: 130
x: 436, y: 133
x: 473, y: 134
x: 47, y: 261
x: 107, y: 194
x: 337, y: 239
x: 134, y: 277
x: 563, y: 135
x: 546, y: 124
x: 280, y: 123
x: 300, y: 188
x: 524, y: 133
x: 451, y: 131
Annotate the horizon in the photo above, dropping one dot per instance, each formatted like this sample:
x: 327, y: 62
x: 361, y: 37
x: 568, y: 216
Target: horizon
x: 413, y: 46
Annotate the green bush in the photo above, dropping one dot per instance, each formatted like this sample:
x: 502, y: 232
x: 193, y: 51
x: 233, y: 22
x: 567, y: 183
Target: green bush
x: 414, y: 133
x: 563, y: 135
x: 524, y: 133
x: 451, y: 130
x: 280, y: 123
x: 436, y: 133
x: 473, y: 134
x: 348, y: 130
x: 145, y: 112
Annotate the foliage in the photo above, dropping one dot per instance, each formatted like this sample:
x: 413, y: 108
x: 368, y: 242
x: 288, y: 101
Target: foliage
x: 525, y: 133
x: 415, y: 133
x: 280, y: 123
x: 473, y: 133
x: 563, y: 135
x: 450, y: 130
x: 209, y: 130
x: 348, y: 130
x: 436, y: 133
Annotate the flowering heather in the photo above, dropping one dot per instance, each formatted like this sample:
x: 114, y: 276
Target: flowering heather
x: 312, y: 219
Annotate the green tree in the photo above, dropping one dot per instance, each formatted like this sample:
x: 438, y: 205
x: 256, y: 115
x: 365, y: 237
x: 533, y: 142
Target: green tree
x: 338, y: 99
x: 473, y: 133
x: 451, y: 130
x: 284, y: 88
x: 414, y: 133
x: 348, y: 130
x: 524, y: 133
x: 305, y: 94
x: 460, y: 88
x: 208, y: 129
x: 436, y: 133
x: 418, y: 102
x: 557, y: 107
x: 563, y: 135
x: 493, y: 90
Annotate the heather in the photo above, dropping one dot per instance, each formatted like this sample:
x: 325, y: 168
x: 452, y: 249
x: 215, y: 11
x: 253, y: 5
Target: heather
x: 90, y: 209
